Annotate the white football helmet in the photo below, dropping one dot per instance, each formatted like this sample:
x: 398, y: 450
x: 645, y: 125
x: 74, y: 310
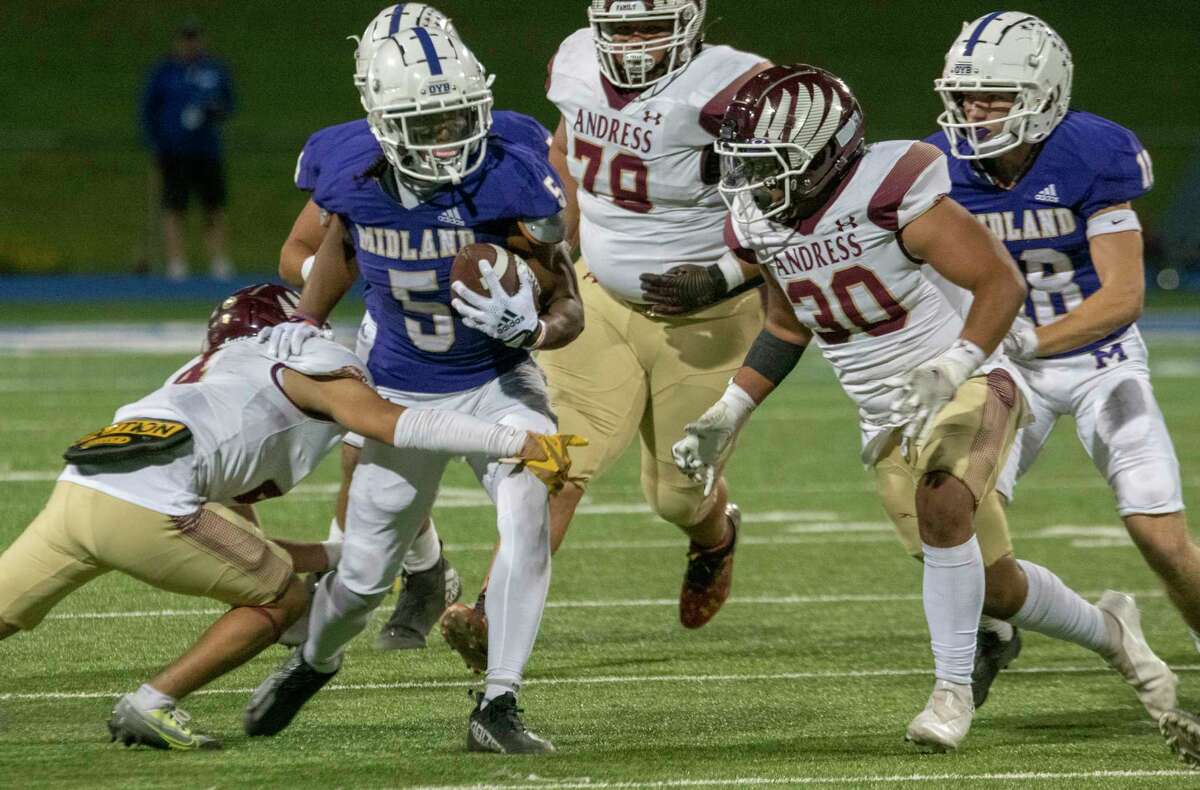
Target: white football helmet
x: 631, y: 64
x: 1005, y: 52
x: 389, y: 22
x: 429, y: 104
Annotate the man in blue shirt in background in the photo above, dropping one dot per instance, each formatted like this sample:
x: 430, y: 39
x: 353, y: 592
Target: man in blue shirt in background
x: 187, y: 98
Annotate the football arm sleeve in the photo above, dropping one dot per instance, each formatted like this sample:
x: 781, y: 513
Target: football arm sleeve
x: 776, y: 350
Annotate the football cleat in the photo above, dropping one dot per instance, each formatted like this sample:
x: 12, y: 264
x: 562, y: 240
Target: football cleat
x: 498, y: 728
x: 161, y: 728
x: 1182, y: 731
x: 465, y: 629
x: 992, y: 654
x: 946, y: 719
x: 423, y: 598
x: 1149, y: 675
x: 280, y: 697
x: 709, y: 576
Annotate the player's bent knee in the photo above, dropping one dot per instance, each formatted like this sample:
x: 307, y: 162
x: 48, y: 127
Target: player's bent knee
x: 945, y: 509
x: 684, y: 507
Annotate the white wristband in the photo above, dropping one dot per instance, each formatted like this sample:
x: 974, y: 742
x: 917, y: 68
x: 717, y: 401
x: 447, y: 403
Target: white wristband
x: 967, y: 355
x: 455, y: 433
x: 738, y: 402
x: 1118, y: 221
x: 306, y: 267
x: 731, y: 267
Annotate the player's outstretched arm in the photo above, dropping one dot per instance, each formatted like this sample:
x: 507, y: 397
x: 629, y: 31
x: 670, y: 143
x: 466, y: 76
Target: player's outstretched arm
x: 1117, y: 257
x: 355, y: 406
x: 966, y: 253
x: 561, y: 312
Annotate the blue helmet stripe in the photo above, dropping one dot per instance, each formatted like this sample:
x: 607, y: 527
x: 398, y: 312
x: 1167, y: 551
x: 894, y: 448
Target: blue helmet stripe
x: 397, y: 13
x: 978, y: 31
x: 435, y: 63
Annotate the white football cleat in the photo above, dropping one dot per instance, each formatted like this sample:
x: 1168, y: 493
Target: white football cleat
x: 1151, y: 678
x: 946, y: 718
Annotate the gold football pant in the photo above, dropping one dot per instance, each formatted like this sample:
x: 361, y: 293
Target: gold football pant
x: 970, y: 440
x: 629, y: 373
x: 83, y: 533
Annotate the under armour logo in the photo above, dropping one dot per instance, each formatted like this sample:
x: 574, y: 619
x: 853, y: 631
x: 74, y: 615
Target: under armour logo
x: 653, y: 116
x: 848, y: 222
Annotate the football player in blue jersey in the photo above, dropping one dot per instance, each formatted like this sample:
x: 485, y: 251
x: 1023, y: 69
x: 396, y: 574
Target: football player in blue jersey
x: 440, y: 184
x: 430, y: 583
x: 1056, y: 185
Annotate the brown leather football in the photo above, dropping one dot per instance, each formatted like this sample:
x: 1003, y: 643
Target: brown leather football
x: 465, y: 268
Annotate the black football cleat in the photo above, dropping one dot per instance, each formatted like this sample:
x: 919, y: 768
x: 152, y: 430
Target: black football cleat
x: 280, y: 697
x: 992, y: 654
x: 424, y: 597
x: 498, y: 728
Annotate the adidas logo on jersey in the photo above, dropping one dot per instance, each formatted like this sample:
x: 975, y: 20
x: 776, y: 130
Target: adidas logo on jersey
x: 1049, y: 194
x: 451, y: 217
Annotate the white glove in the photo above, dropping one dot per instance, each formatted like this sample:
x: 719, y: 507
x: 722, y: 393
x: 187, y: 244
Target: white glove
x: 932, y: 385
x: 513, y: 320
x: 1021, y: 342
x: 286, y: 340
x: 697, y: 453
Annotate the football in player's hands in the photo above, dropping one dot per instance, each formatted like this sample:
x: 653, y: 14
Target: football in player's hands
x: 465, y: 268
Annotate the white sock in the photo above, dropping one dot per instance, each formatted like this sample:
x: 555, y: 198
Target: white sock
x: 498, y: 689
x: 425, y: 551
x: 1195, y: 639
x: 337, y: 615
x: 1054, y: 609
x: 335, y: 530
x: 520, y: 577
x: 953, y: 595
x: 148, y: 698
x: 997, y: 627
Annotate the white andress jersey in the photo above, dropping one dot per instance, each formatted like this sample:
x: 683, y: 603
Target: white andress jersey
x: 872, y: 311
x: 249, y: 441
x: 647, y: 176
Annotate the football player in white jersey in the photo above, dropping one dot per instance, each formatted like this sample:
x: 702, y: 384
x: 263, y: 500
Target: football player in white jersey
x: 669, y: 313
x: 430, y: 582
x: 1020, y: 156
x: 844, y: 231
x: 164, y: 494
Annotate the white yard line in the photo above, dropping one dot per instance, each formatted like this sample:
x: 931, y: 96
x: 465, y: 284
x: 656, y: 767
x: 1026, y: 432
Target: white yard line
x: 586, y: 783
x: 612, y: 603
x: 605, y: 680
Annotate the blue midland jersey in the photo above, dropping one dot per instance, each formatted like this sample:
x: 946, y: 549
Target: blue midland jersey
x: 405, y: 255
x: 1086, y: 164
x: 322, y: 148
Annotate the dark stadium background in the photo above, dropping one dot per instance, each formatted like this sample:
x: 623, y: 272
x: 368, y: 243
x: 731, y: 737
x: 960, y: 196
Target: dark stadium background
x: 74, y: 176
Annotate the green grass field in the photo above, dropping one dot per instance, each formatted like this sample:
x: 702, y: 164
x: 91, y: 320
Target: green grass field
x: 807, y: 677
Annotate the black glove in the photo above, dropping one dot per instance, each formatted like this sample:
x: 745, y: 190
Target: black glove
x: 684, y: 288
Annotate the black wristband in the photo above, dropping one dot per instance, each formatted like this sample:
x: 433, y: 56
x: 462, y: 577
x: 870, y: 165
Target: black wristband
x: 772, y: 358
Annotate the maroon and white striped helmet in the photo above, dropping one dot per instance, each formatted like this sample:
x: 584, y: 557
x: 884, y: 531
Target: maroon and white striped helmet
x: 247, y: 311
x: 793, y: 130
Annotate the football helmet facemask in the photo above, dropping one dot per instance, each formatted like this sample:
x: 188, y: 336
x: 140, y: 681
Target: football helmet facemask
x: 636, y: 63
x: 790, y: 133
x: 1005, y: 52
x: 247, y: 310
x: 389, y: 22
x: 429, y: 104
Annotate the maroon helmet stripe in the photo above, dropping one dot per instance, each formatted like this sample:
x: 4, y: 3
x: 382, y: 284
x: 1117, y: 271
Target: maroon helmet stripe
x: 714, y: 111
x: 885, y: 203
